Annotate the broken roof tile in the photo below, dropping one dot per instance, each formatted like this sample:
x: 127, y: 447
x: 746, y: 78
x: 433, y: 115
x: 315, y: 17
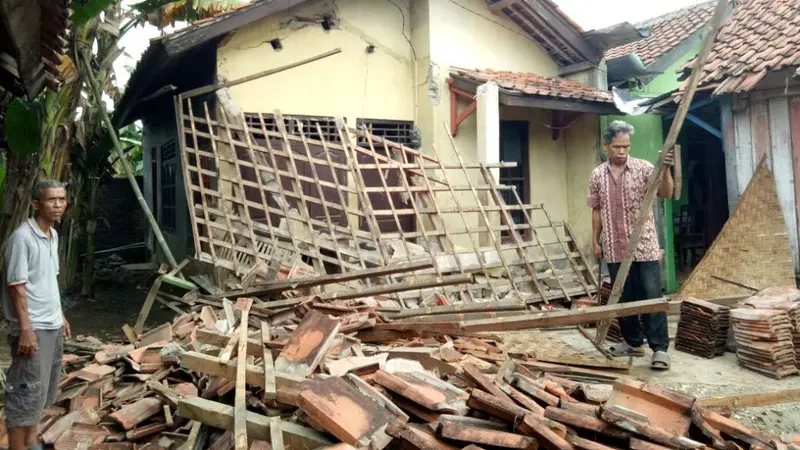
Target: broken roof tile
x: 666, y: 32
x: 534, y: 84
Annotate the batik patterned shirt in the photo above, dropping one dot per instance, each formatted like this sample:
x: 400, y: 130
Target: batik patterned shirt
x: 619, y: 201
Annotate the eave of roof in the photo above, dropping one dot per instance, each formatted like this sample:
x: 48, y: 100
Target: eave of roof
x: 166, y: 52
x: 33, y: 38
x: 533, y: 90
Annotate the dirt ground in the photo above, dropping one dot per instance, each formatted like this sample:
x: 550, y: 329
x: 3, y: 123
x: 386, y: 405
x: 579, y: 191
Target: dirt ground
x: 703, y: 378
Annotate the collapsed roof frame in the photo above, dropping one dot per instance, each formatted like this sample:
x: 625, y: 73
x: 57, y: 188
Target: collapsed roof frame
x: 251, y: 189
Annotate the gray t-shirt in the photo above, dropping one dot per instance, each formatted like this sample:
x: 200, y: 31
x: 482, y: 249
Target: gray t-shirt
x: 32, y: 259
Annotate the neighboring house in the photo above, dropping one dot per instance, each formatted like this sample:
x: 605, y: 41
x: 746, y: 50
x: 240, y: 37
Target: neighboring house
x: 753, y: 72
x: 649, y: 68
x: 32, y: 40
x: 407, y: 67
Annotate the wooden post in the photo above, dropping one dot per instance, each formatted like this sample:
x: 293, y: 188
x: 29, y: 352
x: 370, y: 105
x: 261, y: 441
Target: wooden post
x: 126, y: 165
x: 240, y: 400
x: 655, y: 178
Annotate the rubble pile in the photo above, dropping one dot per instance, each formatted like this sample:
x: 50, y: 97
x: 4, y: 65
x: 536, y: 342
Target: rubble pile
x: 703, y: 328
x: 251, y: 374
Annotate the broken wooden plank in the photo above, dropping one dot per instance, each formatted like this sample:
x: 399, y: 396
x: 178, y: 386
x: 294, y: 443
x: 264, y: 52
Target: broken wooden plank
x: 240, y: 400
x: 219, y: 415
x: 275, y: 287
x: 580, y: 362
x: 276, y: 433
x: 566, y: 318
x: 269, y: 365
x: 753, y: 400
x: 148, y: 304
x: 307, y: 345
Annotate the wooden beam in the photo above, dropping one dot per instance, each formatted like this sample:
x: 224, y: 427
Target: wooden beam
x: 254, y: 375
x: 564, y: 30
x: 219, y: 415
x: 269, y: 365
x: 753, y: 400
x: 240, y: 399
x: 148, y: 305
x: 299, y: 283
x: 656, y: 176
x: 567, y: 318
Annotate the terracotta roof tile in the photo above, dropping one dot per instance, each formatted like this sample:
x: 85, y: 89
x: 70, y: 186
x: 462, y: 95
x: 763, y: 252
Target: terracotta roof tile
x: 666, y: 33
x: 761, y: 36
x: 533, y: 84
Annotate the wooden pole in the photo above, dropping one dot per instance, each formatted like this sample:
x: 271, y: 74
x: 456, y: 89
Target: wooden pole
x: 126, y: 165
x: 655, y: 178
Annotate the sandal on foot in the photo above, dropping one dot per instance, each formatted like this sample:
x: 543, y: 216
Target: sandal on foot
x: 660, y: 361
x: 625, y: 350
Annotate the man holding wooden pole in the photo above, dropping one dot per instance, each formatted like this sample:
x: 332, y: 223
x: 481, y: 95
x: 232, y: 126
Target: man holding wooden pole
x: 617, y: 190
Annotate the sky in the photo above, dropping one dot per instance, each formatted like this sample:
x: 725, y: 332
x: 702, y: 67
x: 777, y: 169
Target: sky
x: 589, y: 14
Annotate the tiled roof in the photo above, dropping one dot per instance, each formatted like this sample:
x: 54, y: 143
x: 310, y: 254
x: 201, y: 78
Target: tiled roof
x: 666, y: 33
x: 533, y: 84
x: 761, y: 36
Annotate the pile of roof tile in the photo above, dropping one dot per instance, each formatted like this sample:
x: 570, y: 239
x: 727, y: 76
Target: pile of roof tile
x: 772, y: 317
x: 764, y: 341
x: 319, y: 374
x: 702, y: 328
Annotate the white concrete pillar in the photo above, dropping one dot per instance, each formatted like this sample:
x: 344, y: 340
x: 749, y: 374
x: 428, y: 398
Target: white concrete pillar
x: 488, y: 118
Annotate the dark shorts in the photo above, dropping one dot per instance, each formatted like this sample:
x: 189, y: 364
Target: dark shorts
x: 32, y: 381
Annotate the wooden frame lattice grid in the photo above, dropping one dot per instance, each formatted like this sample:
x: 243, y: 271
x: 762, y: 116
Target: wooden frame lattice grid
x: 255, y: 193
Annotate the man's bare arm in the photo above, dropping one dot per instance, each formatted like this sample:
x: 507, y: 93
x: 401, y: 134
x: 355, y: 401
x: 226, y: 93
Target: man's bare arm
x: 667, y: 186
x: 597, y: 228
x: 28, y: 344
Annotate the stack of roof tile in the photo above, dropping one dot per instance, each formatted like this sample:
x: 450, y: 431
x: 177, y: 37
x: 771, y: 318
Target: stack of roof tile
x: 703, y: 328
x: 783, y: 298
x: 764, y: 341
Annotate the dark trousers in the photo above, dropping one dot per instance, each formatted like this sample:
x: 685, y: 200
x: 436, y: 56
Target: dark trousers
x: 643, y: 283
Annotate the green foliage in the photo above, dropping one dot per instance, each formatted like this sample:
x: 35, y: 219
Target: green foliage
x: 83, y: 13
x: 24, y: 127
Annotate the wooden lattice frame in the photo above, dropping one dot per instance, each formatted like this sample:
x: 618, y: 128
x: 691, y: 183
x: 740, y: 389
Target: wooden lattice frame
x: 249, y: 201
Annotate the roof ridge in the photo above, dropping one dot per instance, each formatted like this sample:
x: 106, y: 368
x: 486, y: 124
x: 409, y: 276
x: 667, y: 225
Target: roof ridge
x: 675, y: 14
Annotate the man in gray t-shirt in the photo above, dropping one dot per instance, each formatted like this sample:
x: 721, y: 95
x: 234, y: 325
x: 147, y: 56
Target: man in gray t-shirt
x: 32, y: 306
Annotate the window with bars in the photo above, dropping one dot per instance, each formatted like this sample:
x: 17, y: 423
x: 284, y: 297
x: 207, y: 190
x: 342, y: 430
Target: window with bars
x: 309, y: 123
x: 168, y: 185
x: 398, y: 131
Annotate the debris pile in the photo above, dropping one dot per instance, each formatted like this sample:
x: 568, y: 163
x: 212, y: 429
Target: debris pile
x: 241, y: 376
x: 702, y: 328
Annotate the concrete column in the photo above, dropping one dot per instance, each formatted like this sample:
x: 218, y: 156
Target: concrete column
x: 488, y: 117
x: 488, y: 123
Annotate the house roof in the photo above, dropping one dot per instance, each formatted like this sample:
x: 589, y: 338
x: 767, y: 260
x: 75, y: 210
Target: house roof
x: 33, y: 36
x: 531, y: 84
x: 762, y: 36
x: 166, y: 54
x: 545, y: 23
x: 666, y: 32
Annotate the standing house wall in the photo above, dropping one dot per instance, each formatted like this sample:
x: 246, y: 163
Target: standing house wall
x: 765, y: 123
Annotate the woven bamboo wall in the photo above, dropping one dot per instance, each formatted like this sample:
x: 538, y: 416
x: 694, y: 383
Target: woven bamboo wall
x: 752, y: 248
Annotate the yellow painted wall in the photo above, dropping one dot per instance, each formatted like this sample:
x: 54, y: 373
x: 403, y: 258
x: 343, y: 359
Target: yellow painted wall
x: 582, y: 144
x: 352, y: 84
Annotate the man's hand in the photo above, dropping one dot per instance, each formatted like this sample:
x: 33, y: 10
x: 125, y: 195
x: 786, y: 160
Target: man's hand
x: 669, y: 157
x: 598, y: 250
x: 67, y: 330
x: 28, y: 344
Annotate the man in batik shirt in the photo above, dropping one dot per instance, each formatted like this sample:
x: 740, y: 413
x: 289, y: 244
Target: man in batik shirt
x: 616, y: 192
